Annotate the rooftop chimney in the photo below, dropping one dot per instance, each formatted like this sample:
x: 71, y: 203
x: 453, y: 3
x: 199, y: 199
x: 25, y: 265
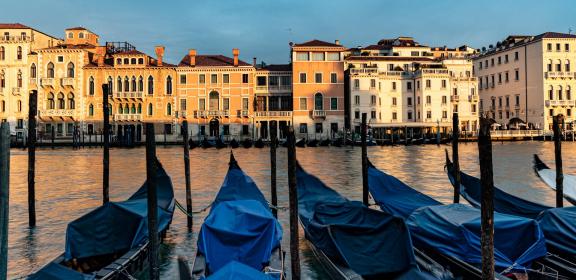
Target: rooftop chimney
x: 192, y: 57
x: 100, y: 55
x: 159, y: 54
x: 235, y: 52
x: 337, y: 42
x: 254, y: 61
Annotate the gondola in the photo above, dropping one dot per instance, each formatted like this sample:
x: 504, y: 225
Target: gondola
x: 434, y: 228
x: 417, y: 141
x: 352, y: 241
x: 192, y: 144
x: 549, y: 177
x: 220, y: 144
x: 369, y: 142
x: 240, y: 227
x: 557, y: 224
x: 247, y: 143
x: 259, y: 143
x: 207, y: 143
x: 111, y: 241
x: 324, y: 143
x: 337, y: 142
x: 234, y: 144
x: 313, y: 143
x: 301, y: 143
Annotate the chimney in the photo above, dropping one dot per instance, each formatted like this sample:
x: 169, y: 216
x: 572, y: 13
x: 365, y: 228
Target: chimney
x: 254, y: 61
x: 337, y: 42
x: 100, y: 55
x: 192, y: 57
x: 159, y: 54
x: 235, y: 52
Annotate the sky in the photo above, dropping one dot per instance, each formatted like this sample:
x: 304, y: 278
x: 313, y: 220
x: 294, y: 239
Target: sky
x: 264, y: 28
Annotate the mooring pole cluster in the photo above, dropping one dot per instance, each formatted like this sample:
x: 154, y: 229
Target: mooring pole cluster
x: 455, y: 156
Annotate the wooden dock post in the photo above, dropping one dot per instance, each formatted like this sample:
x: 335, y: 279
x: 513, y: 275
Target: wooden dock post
x: 364, y: 162
x: 151, y: 169
x: 106, y: 157
x: 4, y: 197
x: 293, y: 198
x: 487, y: 203
x: 53, y: 135
x: 455, y: 156
x: 187, y: 174
x: 558, y: 159
x: 32, y: 110
x: 273, y: 191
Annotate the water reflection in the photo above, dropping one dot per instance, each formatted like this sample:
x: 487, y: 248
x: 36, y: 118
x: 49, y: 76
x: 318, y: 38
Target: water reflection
x: 68, y: 185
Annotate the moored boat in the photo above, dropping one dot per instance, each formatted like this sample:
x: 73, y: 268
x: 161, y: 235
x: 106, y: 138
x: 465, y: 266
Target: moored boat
x: 234, y: 144
x: 313, y: 143
x: 549, y: 177
x: 247, y: 143
x: 259, y: 143
x: 324, y: 143
x: 301, y: 143
x: 220, y: 144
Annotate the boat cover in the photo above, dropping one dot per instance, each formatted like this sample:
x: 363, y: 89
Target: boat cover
x: 369, y: 242
x: 549, y: 177
x: 240, y: 226
x: 116, y: 227
x: 454, y: 230
x: 238, y: 271
x: 54, y: 271
x: 557, y: 224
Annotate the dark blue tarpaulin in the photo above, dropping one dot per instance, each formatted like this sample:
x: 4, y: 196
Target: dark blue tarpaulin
x: 54, y: 271
x: 557, y: 224
x: 369, y: 242
x: 237, y: 271
x: 454, y: 230
x: 240, y: 226
x: 116, y: 227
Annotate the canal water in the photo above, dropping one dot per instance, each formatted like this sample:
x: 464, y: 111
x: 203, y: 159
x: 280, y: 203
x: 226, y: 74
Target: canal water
x: 68, y: 185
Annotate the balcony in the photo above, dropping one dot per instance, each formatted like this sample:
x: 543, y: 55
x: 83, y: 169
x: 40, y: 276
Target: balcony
x: 242, y: 113
x: 454, y: 98
x: 473, y: 98
x: 318, y: 114
x: 563, y: 103
x: 128, y: 94
x: 57, y: 113
x: 16, y: 91
x: 464, y: 79
x: 273, y: 89
x: 363, y: 70
x: 261, y: 114
x: 218, y: 113
x: 432, y: 72
x: 16, y: 39
x: 560, y: 75
x: 200, y: 114
x: 33, y: 81
x: 127, y: 117
x: 47, y: 82
x: 67, y: 82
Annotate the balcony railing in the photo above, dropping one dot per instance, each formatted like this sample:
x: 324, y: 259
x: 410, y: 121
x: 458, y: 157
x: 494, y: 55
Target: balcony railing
x: 274, y: 88
x: 200, y: 114
x: 563, y: 75
x: 473, y: 98
x: 127, y: 117
x: 432, y: 71
x: 5, y: 39
x: 464, y: 79
x: 47, y: 82
x: 242, y: 113
x: 454, y: 98
x: 33, y: 81
x: 273, y: 113
x: 218, y: 113
x: 128, y: 94
x: 318, y: 113
x: 559, y: 103
x: 364, y: 71
x: 57, y: 112
x: 68, y: 82
x: 16, y: 91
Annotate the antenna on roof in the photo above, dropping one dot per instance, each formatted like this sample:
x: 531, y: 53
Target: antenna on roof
x: 569, y: 30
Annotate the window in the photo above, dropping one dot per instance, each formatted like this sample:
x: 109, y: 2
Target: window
x: 499, y: 60
x: 2, y: 53
x: 91, y: 86
x: 551, y: 93
x: 356, y: 84
x: 226, y: 104
x: 517, y: 100
x: 492, y: 62
x: 133, y: 84
x: 150, y: 85
x: 19, y: 79
x: 557, y: 47
x: 140, y: 84
x: 333, y: 56
x: 303, y: 128
x: 499, y: 78
x: 356, y: 114
x: 418, y: 85
x: 567, y: 66
x: 318, y: 101
x: 303, y: 103
x: 409, y: 101
x: 428, y: 83
x: 183, y: 104
x: 409, y: 115
x: 444, y: 99
x: 126, y: 61
x: 473, y: 108
x: 318, y: 78
x: 70, y: 35
x: 244, y: 78
x: 150, y: 109
x: 506, y: 78
x: 226, y: 78
x: 244, y: 103
x: 169, y: 85
x: 19, y: 53
x: 202, y: 78
x: 428, y: 99
x: 373, y: 100
x: 516, y: 75
x: 333, y: 103
x: 549, y: 47
x: 71, y: 103
x: 551, y: 112
x: 119, y: 61
x: 333, y: 78
x: 372, y: 83
x: 126, y: 84
x: 507, y: 101
x: 393, y: 86
x: 119, y: 84
x: 567, y: 47
x: 318, y: 127
x: 357, y: 100
x: 394, y: 101
x: 302, y: 78
x: 318, y: 56
x: 201, y: 104
x: 516, y: 56
x: 409, y: 85
x: 505, y: 58
x: 169, y: 109
x: 183, y: 79
x: 51, y: 103
x: 133, y: 61
x: 139, y: 108
x: 214, y: 78
x: 560, y: 93
x: 443, y: 83
x: 373, y: 114
x: 568, y: 93
x: 50, y: 70
x: 428, y: 114
x: 61, y: 101
x: 3, y: 106
x: 414, y: 53
x: 569, y: 112
x: 91, y: 110
x: 302, y: 56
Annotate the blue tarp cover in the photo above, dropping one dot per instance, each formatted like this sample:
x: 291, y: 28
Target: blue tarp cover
x: 369, y: 242
x: 557, y: 224
x: 240, y: 226
x: 237, y: 271
x: 454, y: 230
x: 54, y: 271
x: 116, y: 227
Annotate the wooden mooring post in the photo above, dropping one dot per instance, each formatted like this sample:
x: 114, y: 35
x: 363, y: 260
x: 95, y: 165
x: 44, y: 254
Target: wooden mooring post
x: 189, y: 220
x: 487, y: 202
x: 32, y: 110
x: 106, y: 143
x: 273, y: 191
x: 53, y: 135
x: 364, y: 162
x: 557, y: 121
x: 4, y: 197
x: 293, y: 203
x: 455, y: 156
x: 151, y: 169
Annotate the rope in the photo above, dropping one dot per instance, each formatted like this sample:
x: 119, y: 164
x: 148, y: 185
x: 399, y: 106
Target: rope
x: 179, y: 206
x: 279, y: 208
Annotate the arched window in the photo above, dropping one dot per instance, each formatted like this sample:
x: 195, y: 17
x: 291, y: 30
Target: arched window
x: 150, y: 85
x: 91, y: 110
x: 140, y: 84
x: 50, y: 101
x: 61, y: 101
x: 126, y: 84
x: 70, y: 70
x: 214, y: 101
x: 120, y: 109
x: 169, y: 85
x: 2, y: 80
x: 19, y: 79
x: 133, y: 61
x: 139, y: 108
x: 318, y: 101
x: 568, y: 93
x: 119, y: 84
x: 50, y: 70
x: 567, y: 66
x: 559, y: 92
x: 3, y: 106
x: 169, y: 109
x: 33, y: 71
x: 19, y: 53
x: 2, y: 53
x: 126, y: 61
x: 551, y: 93
x: 133, y: 87
x: 71, y: 103
x: 140, y: 60
x: 118, y: 61
x: 110, y: 85
x: 19, y: 105
x: 150, y: 112
x: 127, y: 109
x: 558, y: 66
x: 133, y: 109
x: 550, y: 67
x: 91, y: 86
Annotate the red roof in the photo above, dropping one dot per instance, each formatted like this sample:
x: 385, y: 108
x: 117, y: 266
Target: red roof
x: 317, y: 43
x: 130, y: 52
x: 70, y: 46
x: 212, y: 60
x: 555, y: 35
x: 13, y: 26
x: 76, y: 28
x: 387, y: 58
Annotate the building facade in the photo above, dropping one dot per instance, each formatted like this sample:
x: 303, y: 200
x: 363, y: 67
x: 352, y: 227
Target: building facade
x: 273, y: 97
x: 525, y: 80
